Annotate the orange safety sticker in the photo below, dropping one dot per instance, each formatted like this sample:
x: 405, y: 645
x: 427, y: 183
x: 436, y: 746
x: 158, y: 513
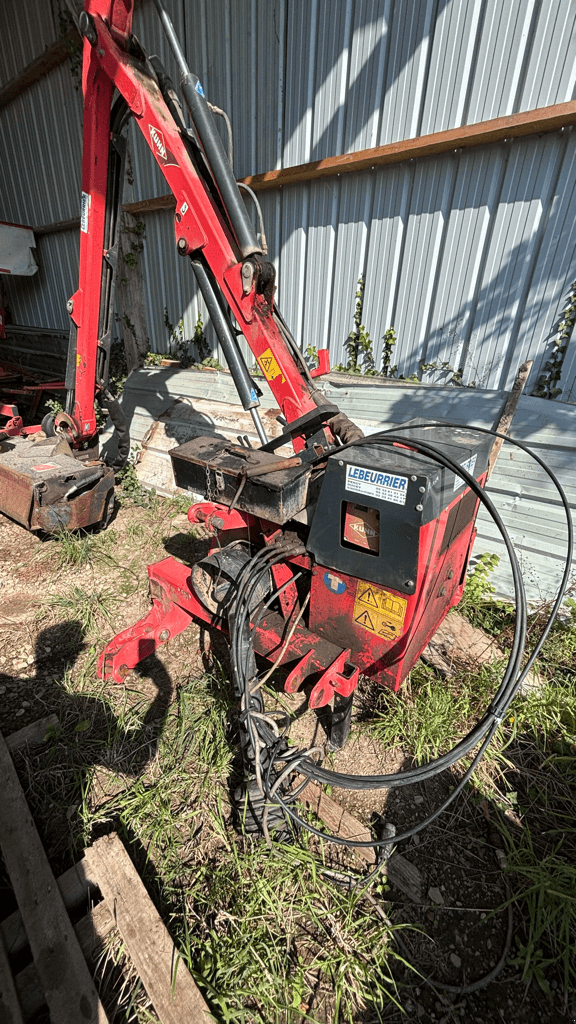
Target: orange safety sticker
x: 378, y: 611
x: 269, y: 366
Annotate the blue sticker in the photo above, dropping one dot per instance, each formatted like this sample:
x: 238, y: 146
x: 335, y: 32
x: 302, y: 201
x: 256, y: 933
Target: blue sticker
x: 333, y: 583
x: 199, y: 88
x: 253, y: 394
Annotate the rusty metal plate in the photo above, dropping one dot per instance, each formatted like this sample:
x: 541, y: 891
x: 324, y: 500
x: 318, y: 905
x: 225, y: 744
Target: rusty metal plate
x: 44, y: 487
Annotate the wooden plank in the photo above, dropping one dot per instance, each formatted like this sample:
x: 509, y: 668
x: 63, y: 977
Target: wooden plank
x: 41, y: 66
x: 167, y: 981
x: 399, y: 871
x: 74, y: 886
x: 32, y: 735
x: 338, y: 821
x: 91, y: 932
x: 505, y: 420
x: 529, y: 122
x: 10, y: 1010
x: 131, y: 294
x: 66, y: 981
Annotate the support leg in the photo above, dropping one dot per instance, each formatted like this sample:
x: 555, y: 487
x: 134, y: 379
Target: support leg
x: 341, y: 722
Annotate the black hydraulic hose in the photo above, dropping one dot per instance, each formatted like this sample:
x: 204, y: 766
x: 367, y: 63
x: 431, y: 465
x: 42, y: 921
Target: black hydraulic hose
x: 212, y: 145
x: 509, y: 685
x: 475, y: 735
x: 221, y: 324
x: 122, y: 429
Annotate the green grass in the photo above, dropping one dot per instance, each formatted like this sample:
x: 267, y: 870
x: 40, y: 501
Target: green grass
x: 269, y: 938
x: 90, y: 607
x: 429, y: 715
x: 546, y: 897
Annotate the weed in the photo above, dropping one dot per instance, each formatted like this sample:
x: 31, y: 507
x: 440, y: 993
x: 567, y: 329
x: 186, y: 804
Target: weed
x: 132, y: 490
x: 478, y: 587
x: 78, y: 548
x: 359, y: 345
x: 548, y: 901
x: 431, y: 714
x: 552, y: 369
x: 389, y: 339
x: 87, y: 606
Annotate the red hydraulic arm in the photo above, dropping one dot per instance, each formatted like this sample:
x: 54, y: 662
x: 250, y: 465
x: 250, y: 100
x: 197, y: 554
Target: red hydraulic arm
x: 200, y: 227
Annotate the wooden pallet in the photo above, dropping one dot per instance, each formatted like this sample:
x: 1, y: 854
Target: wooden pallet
x: 59, y: 974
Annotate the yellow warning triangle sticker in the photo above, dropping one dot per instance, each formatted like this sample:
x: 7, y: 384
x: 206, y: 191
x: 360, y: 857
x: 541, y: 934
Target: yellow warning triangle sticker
x: 364, y: 620
x: 368, y: 597
x: 266, y: 364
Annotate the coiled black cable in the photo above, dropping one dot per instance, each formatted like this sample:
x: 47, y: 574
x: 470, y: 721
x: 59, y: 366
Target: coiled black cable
x: 484, y: 731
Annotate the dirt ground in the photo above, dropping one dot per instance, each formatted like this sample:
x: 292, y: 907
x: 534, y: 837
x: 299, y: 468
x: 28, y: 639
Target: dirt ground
x: 453, y: 937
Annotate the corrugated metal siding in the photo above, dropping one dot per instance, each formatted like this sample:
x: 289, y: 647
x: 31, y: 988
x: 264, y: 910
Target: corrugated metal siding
x: 42, y: 352
x: 28, y: 27
x: 468, y: 255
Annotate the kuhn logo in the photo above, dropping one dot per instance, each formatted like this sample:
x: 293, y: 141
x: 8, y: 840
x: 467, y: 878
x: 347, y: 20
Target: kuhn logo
x: 363, y: 529
x: 158, y: 140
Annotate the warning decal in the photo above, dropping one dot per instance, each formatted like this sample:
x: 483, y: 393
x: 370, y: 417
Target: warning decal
x: 269, y: 366
x: 379, y: 611
x: 368, y: 596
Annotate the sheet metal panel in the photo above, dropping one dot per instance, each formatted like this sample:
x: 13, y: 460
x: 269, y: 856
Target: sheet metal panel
x: 468, y: 255
x: 41, y: 300
x: 40, y: 170
x: 28, y: 27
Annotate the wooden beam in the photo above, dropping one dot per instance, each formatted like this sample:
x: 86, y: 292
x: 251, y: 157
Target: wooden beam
x: 504, y: 423
x: 168, y: 983
x: 91, y: 932
x: 75, y: 886
x: 399, y: 871
x: 64, y: 975
x: 32, y: 735
x: 10, y: 1009
x: 37, y: 69
x: 530, y: 122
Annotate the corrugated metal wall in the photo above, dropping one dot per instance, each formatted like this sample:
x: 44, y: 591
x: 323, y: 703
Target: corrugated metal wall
x: 468, y: 255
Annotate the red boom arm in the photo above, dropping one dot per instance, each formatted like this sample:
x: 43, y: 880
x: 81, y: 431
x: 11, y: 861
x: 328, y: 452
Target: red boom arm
x: 199, y: 225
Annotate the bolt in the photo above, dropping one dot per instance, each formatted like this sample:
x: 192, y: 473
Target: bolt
x: 419, y: 508
x: 340, y: 463
x: 442, y: 591
x: 422, y: 490
x: 164, y: 635
x: 182, y: 245
x: 70, y: 306
x: 413, y: 479
x: 451, y: 574
x: 247, y: 270
x: 409, y: 583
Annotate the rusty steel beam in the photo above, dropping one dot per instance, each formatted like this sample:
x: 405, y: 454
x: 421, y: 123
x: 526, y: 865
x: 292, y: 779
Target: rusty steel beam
x: 59, y: 225
x: 529, y: 122
x: 41, y: 66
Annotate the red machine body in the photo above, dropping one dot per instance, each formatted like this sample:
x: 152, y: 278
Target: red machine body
x: 386, y: 536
